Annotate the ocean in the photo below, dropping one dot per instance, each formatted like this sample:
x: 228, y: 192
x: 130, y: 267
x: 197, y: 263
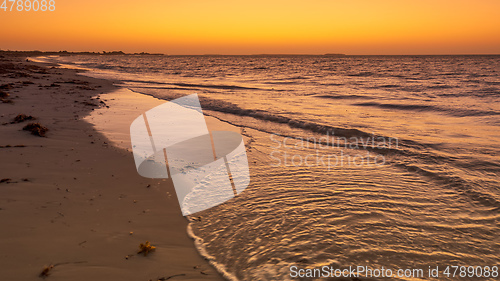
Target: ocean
x: 374, y: 161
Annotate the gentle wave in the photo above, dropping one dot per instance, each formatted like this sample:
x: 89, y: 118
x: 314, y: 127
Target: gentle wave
x: 190, y: 85
x: 419, y: 107
x: 342, y: 97
x: 227, y: 107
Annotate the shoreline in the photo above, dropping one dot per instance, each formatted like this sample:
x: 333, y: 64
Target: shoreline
x: 73, y: 201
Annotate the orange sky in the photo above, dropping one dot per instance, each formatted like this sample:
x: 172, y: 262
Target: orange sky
x: 254, y: 27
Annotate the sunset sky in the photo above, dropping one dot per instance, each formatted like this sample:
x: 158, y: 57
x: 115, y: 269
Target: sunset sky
x: 356, y: 27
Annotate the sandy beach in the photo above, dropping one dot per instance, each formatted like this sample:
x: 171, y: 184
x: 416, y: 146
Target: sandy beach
x: 71, y: 202
x: 363, y: 140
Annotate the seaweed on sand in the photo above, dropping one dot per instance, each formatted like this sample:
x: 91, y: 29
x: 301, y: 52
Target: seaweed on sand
x: 146, y: 248
x: 46, y: 270
x: 36, y: 129
x: 22, y: 117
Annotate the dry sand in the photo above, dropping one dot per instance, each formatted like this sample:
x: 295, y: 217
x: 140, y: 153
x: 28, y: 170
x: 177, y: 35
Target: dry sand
x: 74, y: 200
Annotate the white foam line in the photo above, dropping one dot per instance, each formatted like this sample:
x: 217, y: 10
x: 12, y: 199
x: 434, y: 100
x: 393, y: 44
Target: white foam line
x: 200, y: 246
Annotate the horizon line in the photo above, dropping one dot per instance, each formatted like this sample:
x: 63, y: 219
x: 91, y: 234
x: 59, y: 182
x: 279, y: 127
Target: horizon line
x: 257, y: 54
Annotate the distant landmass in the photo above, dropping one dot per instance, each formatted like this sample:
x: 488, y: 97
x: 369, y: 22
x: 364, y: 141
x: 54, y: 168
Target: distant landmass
x: 66, y: 53
x: 115, y: 53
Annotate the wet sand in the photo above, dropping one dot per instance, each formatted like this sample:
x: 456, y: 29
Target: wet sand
x: 72, y: 202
